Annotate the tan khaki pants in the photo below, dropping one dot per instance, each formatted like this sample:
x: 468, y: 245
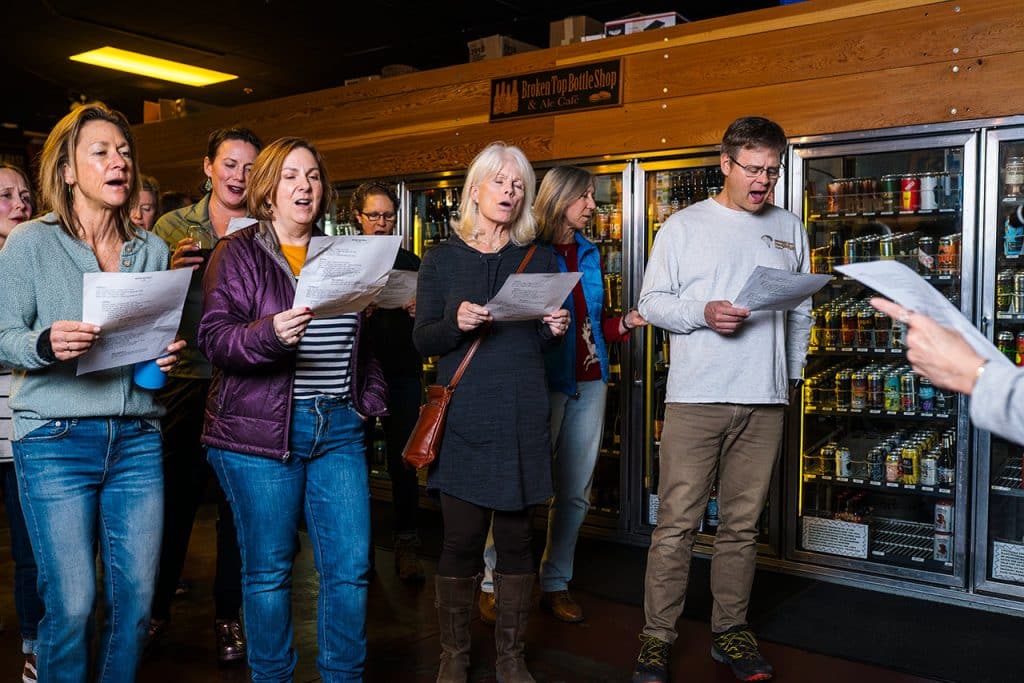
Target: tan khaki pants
x: 742, y: 441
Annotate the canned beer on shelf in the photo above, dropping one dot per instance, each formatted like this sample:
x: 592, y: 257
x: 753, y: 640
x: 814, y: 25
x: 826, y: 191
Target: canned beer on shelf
x: 890, y: 194
x: 908, y: 392
x: 1019, y: 360
x: 929, y: 185
x: 926, y: 395
x: 865, y: 329
x: 844, y: 462
x: 926, y: 254
x: 1007, y: 345
x: 910, y: 192
x: 942, y: 547
x: 1004, y: 290
x: 883, y: 325
x: 910, y: 464
x: 944, y: 516
x: 930, y: 469
x: 858, y: 391
x: 948, y: 258
x: 1018, y: 292
x: 1013, y: 176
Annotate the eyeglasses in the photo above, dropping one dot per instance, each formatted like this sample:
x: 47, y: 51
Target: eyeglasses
x: 755, y: 171
x: 375, y: 216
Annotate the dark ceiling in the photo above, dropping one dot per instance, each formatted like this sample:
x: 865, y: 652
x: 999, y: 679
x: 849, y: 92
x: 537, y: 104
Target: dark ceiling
x: 278, y: 48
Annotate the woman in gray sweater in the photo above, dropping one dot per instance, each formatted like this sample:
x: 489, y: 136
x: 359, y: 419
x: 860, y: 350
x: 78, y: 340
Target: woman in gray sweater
x: 86, y: 447
x: 495, y: 459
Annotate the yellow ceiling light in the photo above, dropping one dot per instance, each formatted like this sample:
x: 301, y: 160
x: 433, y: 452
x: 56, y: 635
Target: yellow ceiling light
x: 154, y: 67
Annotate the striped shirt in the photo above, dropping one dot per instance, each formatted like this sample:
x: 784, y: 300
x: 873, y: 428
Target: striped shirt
x: 324, y: 359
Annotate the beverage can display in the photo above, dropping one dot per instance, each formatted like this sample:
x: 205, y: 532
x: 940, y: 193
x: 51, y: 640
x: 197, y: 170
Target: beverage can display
x: 887, y: 248
x: 1006, y: 342
x: 876, y: 464
x: 947, y: 260
x: 865, y: 329
x: 890, y: 192
x: 892, y: 393
x: 944, y: 516
x: 910, y: 464
x: 858, y: 391
x: 926, y: 395
x: 929, y: 185
x: 843, y: 389
x: 848, y: 336
x: 942, y: 547
x: 1017, y: 303
x: 1013, y: 176
x: 883, y: 325
x: 851, y: 251
x: 834, y: 189
x: 929, y: 470
x: 910, y: 192
x: 908, y: 393
x: 828, y: 459
x: 876, y: 391
x: 1013, y: 233
x: 1020, y: 349
x: 893, y: 470
x: 1004, y: 290
x: 926, y: 254
x: 844, y: 462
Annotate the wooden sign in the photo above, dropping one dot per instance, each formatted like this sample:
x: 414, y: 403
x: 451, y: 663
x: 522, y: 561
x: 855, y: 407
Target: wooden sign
x: 585, y: 86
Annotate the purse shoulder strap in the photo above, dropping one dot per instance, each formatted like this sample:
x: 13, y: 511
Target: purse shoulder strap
x: 457, y: 377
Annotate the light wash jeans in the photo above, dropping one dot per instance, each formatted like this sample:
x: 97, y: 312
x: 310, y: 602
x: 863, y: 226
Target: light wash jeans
x: 576, y: 428
x: 85, y: 483
x: 326, y: 482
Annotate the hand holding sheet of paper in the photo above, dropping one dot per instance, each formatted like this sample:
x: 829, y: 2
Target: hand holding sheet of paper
x: 138, y: 314
x: 344, y: 274
x: 530, y: 296
x: 399, y: 290
x: 773, y: 289
x: 901, y: 284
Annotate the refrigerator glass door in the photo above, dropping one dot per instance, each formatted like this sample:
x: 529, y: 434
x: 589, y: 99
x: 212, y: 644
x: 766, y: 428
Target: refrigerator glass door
x: 999, y: 551
x: 879, y: 481
x: 666, y: 186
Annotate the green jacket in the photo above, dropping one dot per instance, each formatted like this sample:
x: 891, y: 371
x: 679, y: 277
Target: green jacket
x: 41, y: 270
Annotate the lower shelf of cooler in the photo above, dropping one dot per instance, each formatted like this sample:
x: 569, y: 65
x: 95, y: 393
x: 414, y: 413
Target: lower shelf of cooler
x: 891, y: 542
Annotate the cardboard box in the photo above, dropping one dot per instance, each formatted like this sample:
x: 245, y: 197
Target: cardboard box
x: 572, y: 29
x: 495, y: 47
x: 647, y: 22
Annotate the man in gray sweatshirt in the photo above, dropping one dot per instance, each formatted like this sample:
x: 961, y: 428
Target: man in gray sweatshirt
x: 730, y: 379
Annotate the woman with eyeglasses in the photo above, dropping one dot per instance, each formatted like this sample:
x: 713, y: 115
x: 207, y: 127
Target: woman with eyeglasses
x: 495, y: 459
x: 389, y: 331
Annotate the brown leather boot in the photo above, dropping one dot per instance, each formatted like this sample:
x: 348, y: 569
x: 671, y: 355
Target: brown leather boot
x: 513, y: 596
x: 454, y: 602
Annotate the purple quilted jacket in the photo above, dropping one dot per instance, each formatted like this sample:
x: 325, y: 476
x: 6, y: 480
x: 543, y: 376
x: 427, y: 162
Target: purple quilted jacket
x: 248, y: 409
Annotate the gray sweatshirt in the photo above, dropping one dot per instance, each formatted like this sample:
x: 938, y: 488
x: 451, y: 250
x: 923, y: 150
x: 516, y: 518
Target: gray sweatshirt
x: 705, y: 253
x: 997, y: 402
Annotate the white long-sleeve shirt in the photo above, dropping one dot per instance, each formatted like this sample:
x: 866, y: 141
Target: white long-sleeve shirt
x: 997, y: 402
x: 705, y: 253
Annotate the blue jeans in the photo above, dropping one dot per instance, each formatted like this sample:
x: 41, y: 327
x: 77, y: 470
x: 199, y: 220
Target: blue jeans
x: 27, y: 602
x: 324, y: 479
x: 87, y: 482
x: 576, y: 427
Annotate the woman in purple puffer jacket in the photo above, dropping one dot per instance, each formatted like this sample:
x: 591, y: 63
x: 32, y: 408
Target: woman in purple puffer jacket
x: 284, y: 420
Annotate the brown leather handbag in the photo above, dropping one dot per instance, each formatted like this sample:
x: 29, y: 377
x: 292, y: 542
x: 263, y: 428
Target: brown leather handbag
x: 425, y: 440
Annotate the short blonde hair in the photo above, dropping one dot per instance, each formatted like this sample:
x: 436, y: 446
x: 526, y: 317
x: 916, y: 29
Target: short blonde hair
x: 484, y: 167
x: 265, y: 176
x: 59, y: 152
x: 560, y: 187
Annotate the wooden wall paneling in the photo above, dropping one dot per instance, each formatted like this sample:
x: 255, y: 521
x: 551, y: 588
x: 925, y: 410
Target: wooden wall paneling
x: 980, y: 88
x: 746, y: 24
x: 906, y: 37
x: 431, y: 152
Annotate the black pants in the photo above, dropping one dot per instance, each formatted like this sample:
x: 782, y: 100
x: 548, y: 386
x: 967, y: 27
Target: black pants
x: 186, y: 476
x: 465, y: 534
x: 404, y: 397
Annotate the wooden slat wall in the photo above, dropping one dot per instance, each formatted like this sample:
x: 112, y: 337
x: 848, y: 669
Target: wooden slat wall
x: 816, y: 67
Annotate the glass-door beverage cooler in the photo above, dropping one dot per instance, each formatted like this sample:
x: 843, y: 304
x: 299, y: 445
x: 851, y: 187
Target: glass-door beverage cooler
x: 999, y: 545
x: 879, y: 469
x: 667, y: 185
